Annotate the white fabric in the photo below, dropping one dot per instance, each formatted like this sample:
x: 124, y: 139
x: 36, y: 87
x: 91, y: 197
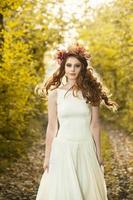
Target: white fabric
x: 74, y: 171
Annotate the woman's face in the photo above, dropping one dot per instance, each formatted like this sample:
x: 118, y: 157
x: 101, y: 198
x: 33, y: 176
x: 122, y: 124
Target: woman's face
x: 72, y: 68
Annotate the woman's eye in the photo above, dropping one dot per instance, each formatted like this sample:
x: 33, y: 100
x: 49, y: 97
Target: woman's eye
x: 68, y: 65
x: 77, y: 65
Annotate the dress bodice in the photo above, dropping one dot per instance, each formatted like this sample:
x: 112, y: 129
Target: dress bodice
x: 73, y: 113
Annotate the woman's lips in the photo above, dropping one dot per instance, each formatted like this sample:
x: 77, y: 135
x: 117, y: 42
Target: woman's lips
x: 72, y: 74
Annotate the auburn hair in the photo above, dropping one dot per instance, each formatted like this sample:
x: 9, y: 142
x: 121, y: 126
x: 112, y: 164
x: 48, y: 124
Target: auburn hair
x: 93, y: 90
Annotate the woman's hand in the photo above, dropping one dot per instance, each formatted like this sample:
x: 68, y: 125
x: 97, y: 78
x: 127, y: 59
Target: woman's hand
x: 100, y: 160
x: 46, y: 165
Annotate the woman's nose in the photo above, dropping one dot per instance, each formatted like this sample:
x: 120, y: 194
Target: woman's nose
x: 73, y: 68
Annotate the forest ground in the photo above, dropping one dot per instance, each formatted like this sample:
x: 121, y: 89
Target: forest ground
x: 21, y: 180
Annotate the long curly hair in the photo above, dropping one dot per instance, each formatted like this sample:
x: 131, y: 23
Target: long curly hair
x: 93, y: 90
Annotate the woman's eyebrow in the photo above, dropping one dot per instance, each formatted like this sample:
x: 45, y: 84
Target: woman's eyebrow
x: 75, y: 63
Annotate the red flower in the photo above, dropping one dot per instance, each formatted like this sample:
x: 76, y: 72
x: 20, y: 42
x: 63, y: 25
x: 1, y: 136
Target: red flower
x: 74, y: 49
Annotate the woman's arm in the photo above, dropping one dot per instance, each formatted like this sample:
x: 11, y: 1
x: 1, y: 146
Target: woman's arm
x: 96, y: 133
x: 52, y: 126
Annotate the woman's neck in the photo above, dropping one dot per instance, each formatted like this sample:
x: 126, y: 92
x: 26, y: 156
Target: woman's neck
x: 70, y: 83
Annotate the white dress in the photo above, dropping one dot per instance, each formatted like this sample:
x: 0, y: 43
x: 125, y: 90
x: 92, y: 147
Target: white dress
x: 74, y: 171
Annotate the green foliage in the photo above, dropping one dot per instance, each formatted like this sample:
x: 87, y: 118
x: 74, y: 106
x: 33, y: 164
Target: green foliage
x: 27, y: 30
x: 9, y: 5
x: 109, y: 38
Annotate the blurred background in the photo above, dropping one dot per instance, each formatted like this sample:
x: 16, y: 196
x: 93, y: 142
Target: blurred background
x: 30, y: 32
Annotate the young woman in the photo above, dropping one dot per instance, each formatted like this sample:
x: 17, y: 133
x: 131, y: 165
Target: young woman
x: 73, y: 165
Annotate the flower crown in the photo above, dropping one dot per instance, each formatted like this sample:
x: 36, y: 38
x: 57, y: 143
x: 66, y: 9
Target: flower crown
x: 74, y: 49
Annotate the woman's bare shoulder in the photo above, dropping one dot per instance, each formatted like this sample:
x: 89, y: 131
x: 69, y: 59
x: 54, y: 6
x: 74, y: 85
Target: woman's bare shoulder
x: 52, y: 94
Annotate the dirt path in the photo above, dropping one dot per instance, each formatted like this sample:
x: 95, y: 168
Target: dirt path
x: 122, y: 149
x: 20, y: 182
